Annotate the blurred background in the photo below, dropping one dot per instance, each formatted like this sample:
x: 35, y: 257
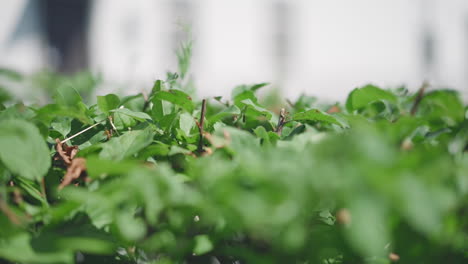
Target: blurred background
x: 322, y: 48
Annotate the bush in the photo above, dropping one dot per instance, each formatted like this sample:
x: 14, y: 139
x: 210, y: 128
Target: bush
x: 166, y: 178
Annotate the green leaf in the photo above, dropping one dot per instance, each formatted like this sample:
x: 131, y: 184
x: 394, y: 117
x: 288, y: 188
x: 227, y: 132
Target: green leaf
x: 18, y: 248
x: 122, y: 121
x: 361, y: 97
x: 101, y: 168
x: 131, y: 228
x: 133, y: 102
x: 67, y: 96
x: 49, y: 112
x: 155, y: 149
x: 203, y: 245
x: 257, y: 86
x: 268, y: 138
x: 178, y: 150
x: 367, y: 232
x: 443, y: 106
x: 126, y: 145
x: 22, y: 149
x: 304, y: 102
x: 238, y: 90
x: 5, y: 96
x: 157, y: 111
x: 28, y: 186
x: 254, y: 110
x: 244, y: 92
x: 419, y: 206
x: 108, y: 102
x: 239, y: 140
x: 62, y: 125
x: 186, y: 123
x: 318, y: 116
x: 229, y: 111
x: 140, y: 116
x: 176, y: 97
x: 76, y: 234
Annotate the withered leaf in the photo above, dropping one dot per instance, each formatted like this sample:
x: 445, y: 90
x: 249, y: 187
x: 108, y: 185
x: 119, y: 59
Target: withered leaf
x: 74, y: 171
x: 76, y: 167
x: 65, y: 153
x: 334, y: 109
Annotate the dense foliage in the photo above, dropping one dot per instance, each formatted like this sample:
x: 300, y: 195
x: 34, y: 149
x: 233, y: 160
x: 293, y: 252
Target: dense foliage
x: 167, y: 178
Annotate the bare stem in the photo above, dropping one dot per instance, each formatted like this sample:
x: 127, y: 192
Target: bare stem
x: 200, y: 126
x: 147, y: 103
x: 419, y: 97
x: 81, y: 132
x: 281, y: 121
x: 113, y: 126
x: 4, y: 208
x: 43, y: 189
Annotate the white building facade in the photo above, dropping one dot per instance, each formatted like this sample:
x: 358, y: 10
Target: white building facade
x: 324, y: 48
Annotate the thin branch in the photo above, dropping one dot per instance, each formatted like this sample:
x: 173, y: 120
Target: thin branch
x: 418, y: 98
x: 281, y: 121
x: 81, y: 132
x: 200, y: 126
x: 113, y: 126
x: 147, y: 101
x: 4, y: 208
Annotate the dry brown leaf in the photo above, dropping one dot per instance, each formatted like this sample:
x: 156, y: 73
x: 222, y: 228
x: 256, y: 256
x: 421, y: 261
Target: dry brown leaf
x: 407, y: 144
x: 65, y: 152
x: 76, y: 167
x: 74, y: 171
x: 207, y: 152
x: 343, y: 216
x: 393, y: 257
x: 334, y: 109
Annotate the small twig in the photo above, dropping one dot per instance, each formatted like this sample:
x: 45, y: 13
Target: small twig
x: 419, y: 97
x: 81, y: 132
x: 4, y: 208
x: 113, y: 126
x: 200, y: 126
x: 290, y: 103
x: 281, y: 121
x: 147, y: 101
